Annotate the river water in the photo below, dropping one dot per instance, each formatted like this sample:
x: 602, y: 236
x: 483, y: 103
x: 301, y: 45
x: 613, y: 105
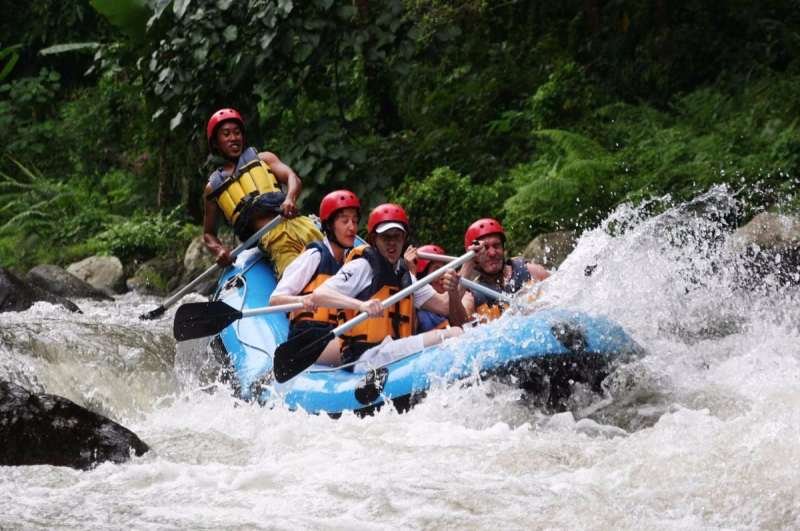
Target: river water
x: 703, y: 432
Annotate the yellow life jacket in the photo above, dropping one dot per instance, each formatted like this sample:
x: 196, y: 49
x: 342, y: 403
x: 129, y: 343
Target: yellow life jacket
x: 328, y: 266
x: 397, y: 321
x: 492, y: 309
x: 235, y: 192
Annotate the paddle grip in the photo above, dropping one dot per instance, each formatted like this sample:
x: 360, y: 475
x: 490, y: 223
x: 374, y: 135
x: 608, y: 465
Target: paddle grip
x: 405, y: 292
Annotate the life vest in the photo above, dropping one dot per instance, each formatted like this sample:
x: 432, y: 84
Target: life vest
x: 236, y: 191
x: 427, y: 320
x: 492, y: 309
x: 397, y: 321
x: 328, y: 266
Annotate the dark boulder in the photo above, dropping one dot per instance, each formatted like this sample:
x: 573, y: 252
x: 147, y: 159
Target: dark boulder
x: 58, y: 280
x: 16, y: 295
x: 42, y: 429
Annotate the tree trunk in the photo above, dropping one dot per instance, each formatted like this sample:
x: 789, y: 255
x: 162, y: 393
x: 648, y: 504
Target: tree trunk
x: 592, y: 10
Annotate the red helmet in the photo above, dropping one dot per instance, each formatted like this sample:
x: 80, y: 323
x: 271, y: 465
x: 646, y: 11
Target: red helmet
x: 483, y: 227
x: 387, y: 212
x: 336, y: 201
x: 220, y: 116
x: 422, y: 263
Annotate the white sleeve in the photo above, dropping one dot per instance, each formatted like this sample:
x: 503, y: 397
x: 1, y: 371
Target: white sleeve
x: 299, y: 273
x: 352, y: 278
x: 423, y: 294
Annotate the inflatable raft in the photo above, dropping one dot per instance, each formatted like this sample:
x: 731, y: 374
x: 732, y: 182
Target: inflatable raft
x: 545, y: 352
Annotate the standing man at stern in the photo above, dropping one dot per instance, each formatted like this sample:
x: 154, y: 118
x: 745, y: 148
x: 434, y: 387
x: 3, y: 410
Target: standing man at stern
x: 246, y: 190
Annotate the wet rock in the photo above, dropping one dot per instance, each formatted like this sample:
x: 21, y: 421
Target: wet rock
x: 550, y: 249
x: 43, y: 429
x: 57, y: 280
x: 197, y: 259
x: 17, y: 295
x: 102, y: 272
x: 157, y: 276
x: 769, y: 245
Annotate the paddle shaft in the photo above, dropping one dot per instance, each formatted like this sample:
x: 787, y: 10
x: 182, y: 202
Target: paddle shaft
x: 272, y: 309
x: 403, y: 293
x: 480, y: 288
x: 436, y: 257
x: 214, y: 268
x: 469, y: 284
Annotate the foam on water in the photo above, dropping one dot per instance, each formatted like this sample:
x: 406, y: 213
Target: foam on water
x: 700, y: 433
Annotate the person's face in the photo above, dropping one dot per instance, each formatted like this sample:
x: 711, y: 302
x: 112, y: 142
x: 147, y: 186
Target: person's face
x: 230, y: 140
x: 345, y: 226
x: 490, y: 258
x: 437, y: 284
x: 390, y: 244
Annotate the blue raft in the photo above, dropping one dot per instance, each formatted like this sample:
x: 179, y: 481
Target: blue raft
x: 547, y: 351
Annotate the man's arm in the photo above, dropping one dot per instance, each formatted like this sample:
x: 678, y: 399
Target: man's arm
x: 337, y: 291
x: 287, y: 176
x: 456, y: 312
x: 210, y: 239
x: 296, y: 277
x: 537, y: 271
x: 330, y: 298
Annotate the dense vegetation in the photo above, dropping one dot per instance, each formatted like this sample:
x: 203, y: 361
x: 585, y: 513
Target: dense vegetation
x: 543, y: 114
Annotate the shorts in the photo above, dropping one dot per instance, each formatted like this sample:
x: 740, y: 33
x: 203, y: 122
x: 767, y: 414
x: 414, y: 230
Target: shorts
x: 285, y: 242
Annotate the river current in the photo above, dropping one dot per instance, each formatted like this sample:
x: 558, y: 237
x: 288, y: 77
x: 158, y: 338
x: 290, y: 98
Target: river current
x: 702, y: 432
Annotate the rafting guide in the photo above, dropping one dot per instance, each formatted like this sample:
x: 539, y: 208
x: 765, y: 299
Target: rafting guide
x: 246, y: 190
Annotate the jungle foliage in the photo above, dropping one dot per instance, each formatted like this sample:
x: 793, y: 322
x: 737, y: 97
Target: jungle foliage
x: 543, y: 114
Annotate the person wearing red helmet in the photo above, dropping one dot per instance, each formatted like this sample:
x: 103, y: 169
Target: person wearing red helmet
x: 339, y: 213
x: 491, y: 268
x: 372, y: 273
x: 428, y: 320
x: 246, y: 191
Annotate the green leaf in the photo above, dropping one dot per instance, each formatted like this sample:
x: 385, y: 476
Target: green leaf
x: 12, y: 51
x: 266, y: 39
x: 286, y: 6
x: 175, y: 121
x: 347, y: 12
x: 302, y: 52
x: 128, y: 15
x: 68, y: 47
x: 179, y: 7
x: 230, y: 33
x: 164, y: 74
x: 223, y: 5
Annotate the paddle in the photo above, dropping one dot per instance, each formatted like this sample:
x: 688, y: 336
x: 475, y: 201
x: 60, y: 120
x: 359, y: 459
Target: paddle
x: 300, y: 352
x: 157, y: 312
x: 469, y: 284
x: 201, y: 319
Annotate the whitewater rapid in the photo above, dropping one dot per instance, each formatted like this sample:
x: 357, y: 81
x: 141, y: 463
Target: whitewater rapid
x: 703, y: 432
